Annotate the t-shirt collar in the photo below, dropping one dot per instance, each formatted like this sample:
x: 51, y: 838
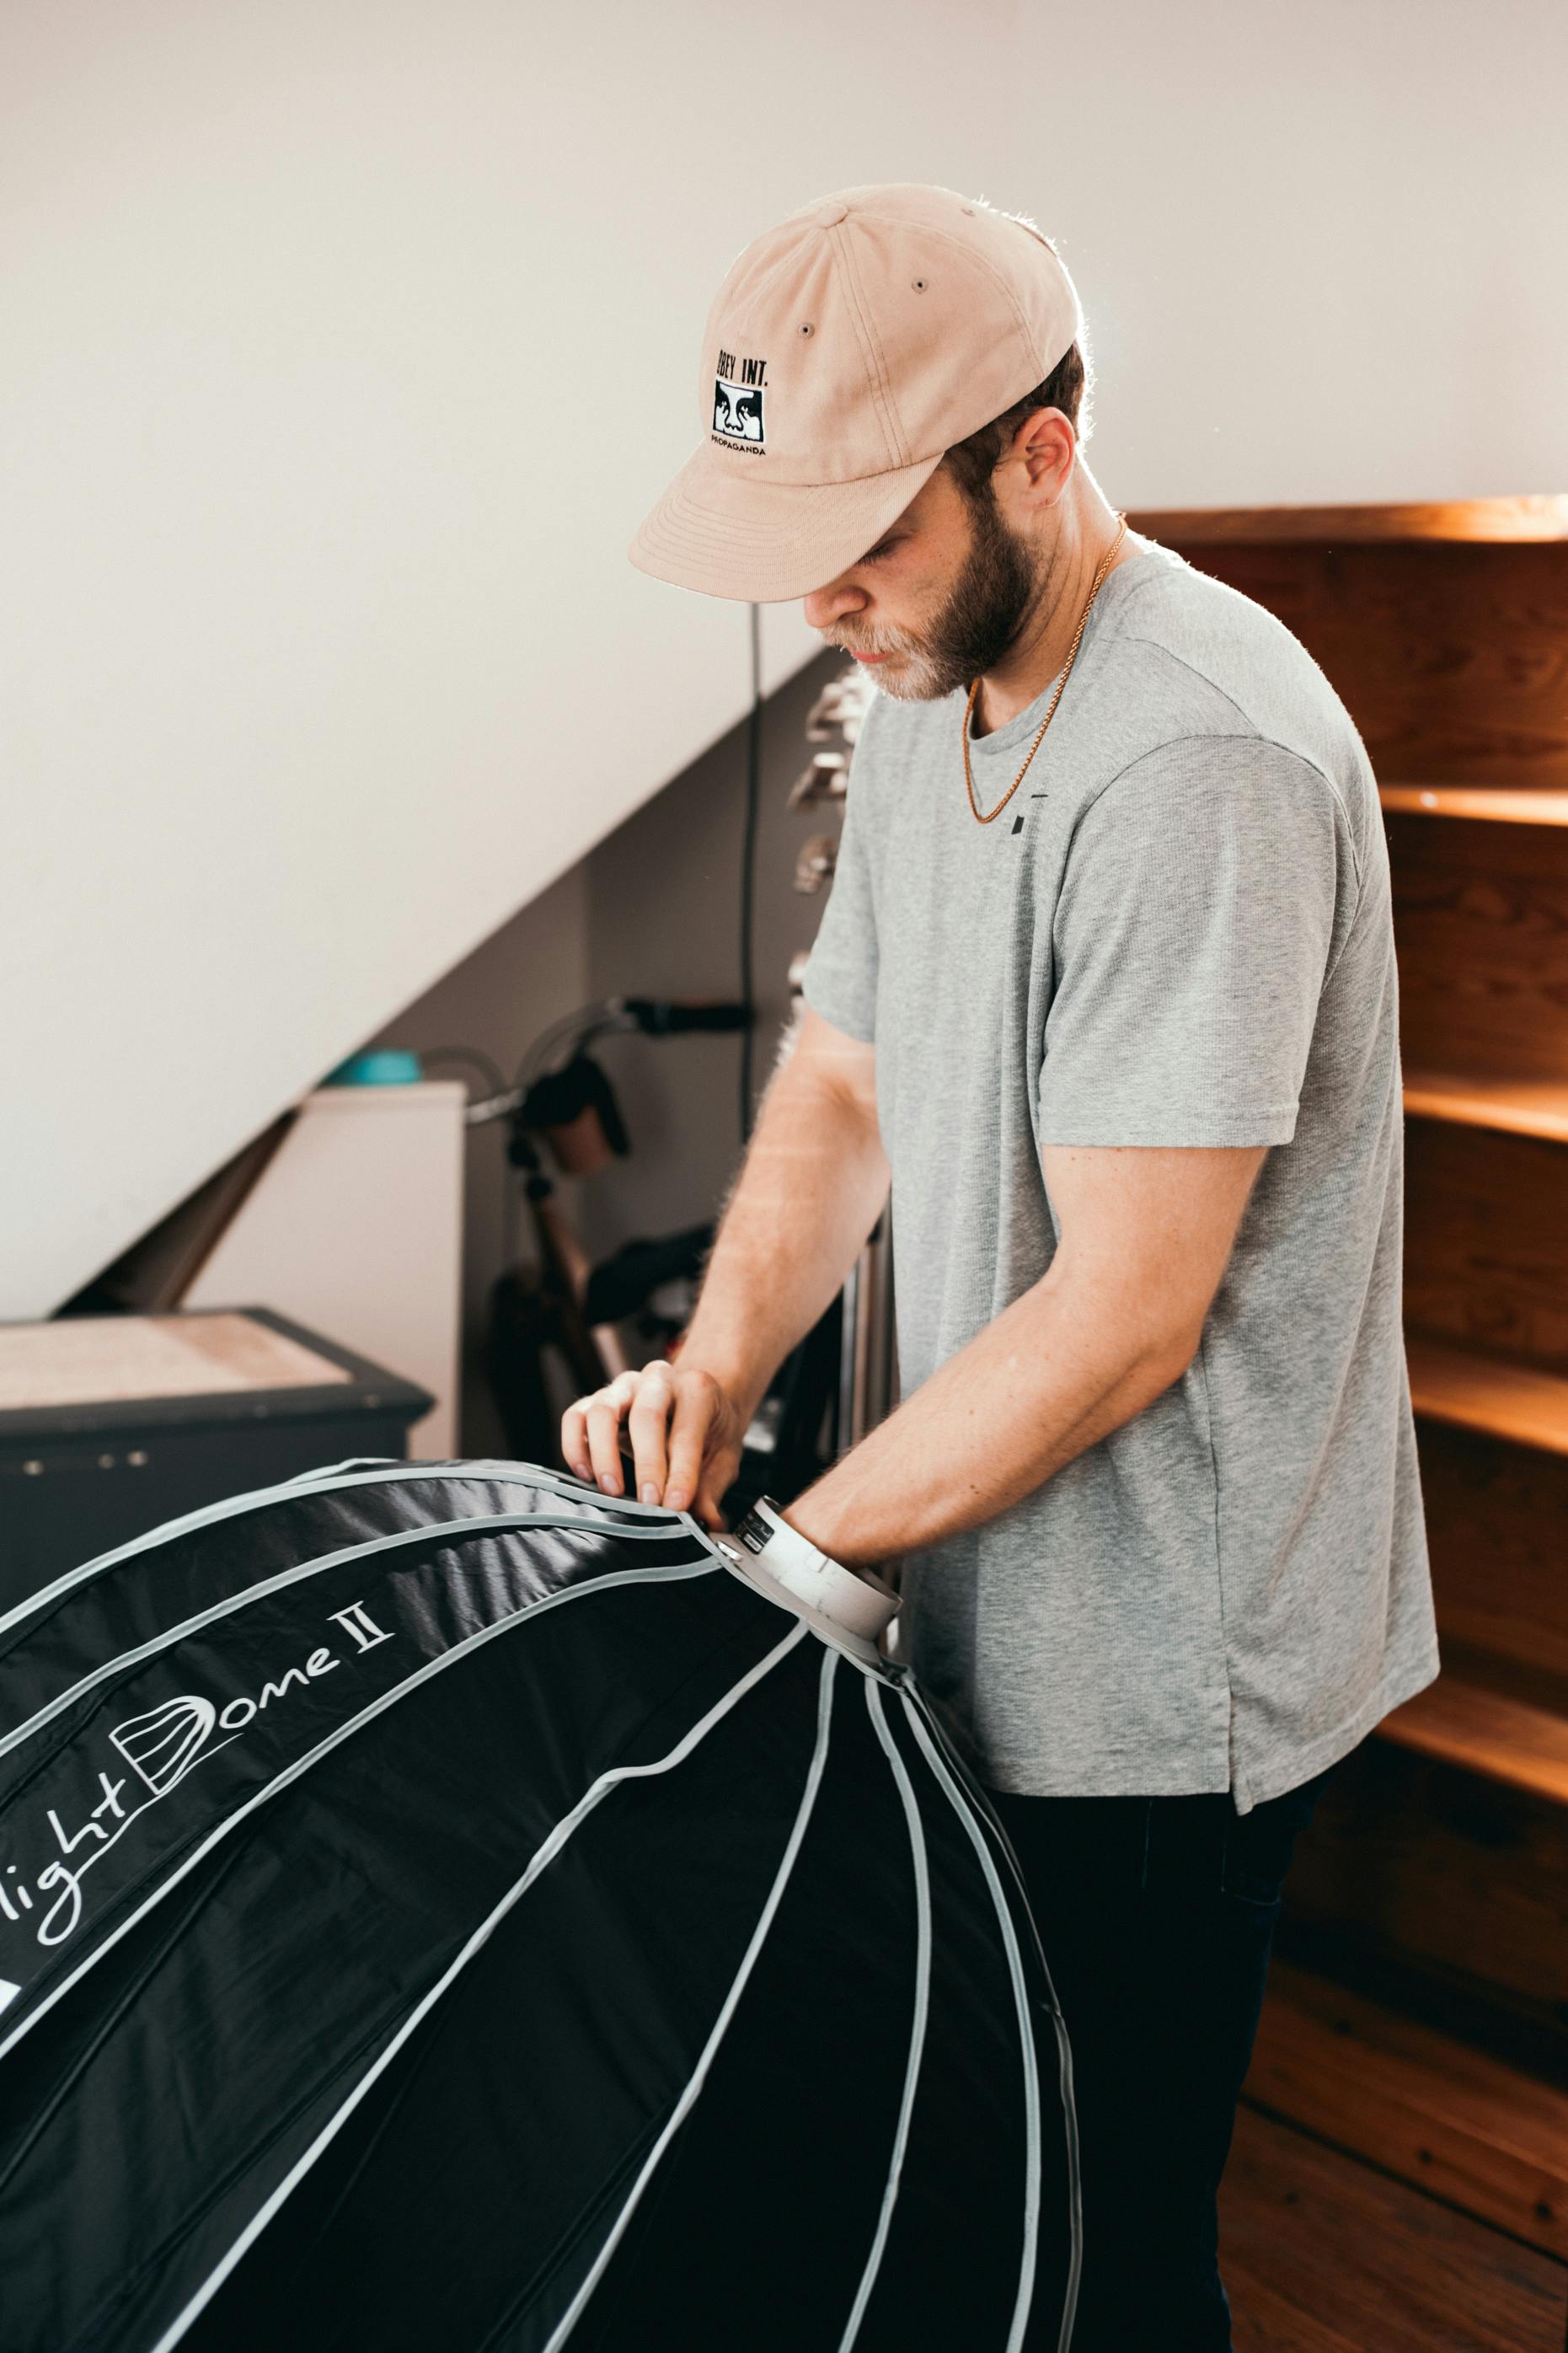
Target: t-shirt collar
x: 1018, y: 729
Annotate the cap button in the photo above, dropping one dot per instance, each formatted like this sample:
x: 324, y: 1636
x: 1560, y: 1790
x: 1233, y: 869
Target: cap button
x: 831, y: 214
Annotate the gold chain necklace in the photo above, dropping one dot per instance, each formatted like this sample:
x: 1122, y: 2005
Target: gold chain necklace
x: 1073, y: 651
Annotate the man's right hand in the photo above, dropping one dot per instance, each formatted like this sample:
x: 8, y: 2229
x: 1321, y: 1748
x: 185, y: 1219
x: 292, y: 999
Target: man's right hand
x: 686, y: 1432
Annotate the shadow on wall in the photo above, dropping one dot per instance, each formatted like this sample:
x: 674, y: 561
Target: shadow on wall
x: 654, y: 909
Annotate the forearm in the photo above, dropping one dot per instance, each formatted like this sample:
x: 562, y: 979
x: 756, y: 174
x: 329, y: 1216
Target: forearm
x: 1060, y: 1368
x: 809, y: 1191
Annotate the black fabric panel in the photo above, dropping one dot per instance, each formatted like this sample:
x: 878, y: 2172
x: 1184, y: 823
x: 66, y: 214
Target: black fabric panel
x: 149, y: 2113
x: 132, y: 1776
x: 479, y: 2185
x: 175, y: 1578
x: 964, y: 2173
x: 146, y: 2116
x: 757, y: 2227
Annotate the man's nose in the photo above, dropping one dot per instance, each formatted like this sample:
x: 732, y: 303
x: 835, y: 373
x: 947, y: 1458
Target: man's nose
x: 824, y: 607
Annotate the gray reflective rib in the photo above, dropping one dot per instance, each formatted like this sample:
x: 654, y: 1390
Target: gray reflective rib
x: 302, y: 1764
x: 485, y: 1524
x: 1025, y: 2030
x: 485, y: 1467
x: 324, y: 1482
x: 550, y: 1847
x: 574, y: 2312
x: 463, y: 1466
x: 349, y: 1462
x: 923, y: 2002
x: 1063, y: 2060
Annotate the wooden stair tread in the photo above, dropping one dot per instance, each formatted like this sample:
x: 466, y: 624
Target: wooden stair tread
x: 1443, y: 2115
x: 1523, y: 1107
x: 1504, y: 804
x: 1319, y: 2252
x: 1454, y: 1384
x: 1492, y: 1717
x: 1531, y: 515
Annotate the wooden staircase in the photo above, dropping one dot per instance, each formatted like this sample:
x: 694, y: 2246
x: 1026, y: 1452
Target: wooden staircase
x: 1490, y: 2138
x: 1411, y: 2073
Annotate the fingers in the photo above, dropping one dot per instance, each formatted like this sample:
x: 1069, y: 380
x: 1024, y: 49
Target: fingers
x: 697, y: 1400
x: 678, y: 1424
x: 590, y: 1431
x: 706, y: 1509
x: 647, y: 1423
x: 645, y: 1403
x: 722, y: 1461
x: 574, y: 1439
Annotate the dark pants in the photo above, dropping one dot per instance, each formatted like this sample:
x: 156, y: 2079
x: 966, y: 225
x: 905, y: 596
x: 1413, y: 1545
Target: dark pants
x: 1157, y: 1918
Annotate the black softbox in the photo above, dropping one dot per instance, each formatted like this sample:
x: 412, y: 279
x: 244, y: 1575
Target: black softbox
x: 443, y: 1907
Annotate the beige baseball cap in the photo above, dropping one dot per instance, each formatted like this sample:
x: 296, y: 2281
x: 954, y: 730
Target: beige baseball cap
x: 846, y: 350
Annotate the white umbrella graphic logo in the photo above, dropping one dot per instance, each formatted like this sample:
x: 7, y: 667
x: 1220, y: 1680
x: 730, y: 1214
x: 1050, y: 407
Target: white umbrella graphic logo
x: 163, y: 1744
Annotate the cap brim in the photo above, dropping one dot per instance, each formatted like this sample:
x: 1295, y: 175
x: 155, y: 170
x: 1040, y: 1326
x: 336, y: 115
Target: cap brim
x: 725, y: 534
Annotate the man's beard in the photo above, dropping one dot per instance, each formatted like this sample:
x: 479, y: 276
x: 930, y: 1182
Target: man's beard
x: 980, y: 619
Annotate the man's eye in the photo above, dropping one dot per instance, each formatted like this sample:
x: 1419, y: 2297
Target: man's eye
x: 886, y: 549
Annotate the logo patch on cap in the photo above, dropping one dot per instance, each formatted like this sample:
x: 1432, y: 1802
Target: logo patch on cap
x: 737, y: 401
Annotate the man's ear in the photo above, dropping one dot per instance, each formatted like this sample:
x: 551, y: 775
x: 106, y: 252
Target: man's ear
x: 1053, y: 449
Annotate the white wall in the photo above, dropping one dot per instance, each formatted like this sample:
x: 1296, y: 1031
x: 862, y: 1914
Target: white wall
x: 347, y: 345
x: 1320, y: 248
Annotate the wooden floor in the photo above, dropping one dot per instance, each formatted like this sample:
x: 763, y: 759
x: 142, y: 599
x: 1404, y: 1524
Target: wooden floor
x: 1321, y: 2253
x: 1390, y: 2191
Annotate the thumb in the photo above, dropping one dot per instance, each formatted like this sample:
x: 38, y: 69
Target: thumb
x: 706, y: 1509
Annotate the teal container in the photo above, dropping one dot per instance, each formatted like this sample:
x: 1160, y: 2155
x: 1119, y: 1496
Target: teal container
x: 383, y: 1066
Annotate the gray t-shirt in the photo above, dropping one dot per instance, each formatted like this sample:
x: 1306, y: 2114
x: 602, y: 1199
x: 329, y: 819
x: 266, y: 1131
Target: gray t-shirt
x: 1178, y: 933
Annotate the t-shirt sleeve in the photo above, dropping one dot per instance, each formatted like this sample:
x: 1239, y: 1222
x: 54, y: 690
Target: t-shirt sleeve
x: 839, y: 979
x: 1204, y: 890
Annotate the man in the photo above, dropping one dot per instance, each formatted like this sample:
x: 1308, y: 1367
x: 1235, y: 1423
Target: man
x: 1106, y: 988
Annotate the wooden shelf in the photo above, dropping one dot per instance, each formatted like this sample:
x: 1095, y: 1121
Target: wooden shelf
x: 1436, y: 2112
x: 1497, y: 802
x: 1441, y: 625
x: 1472, y: 1392
x: 1506, y: 1723
x: 1543, y: 517
x: 1518, y: 1106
